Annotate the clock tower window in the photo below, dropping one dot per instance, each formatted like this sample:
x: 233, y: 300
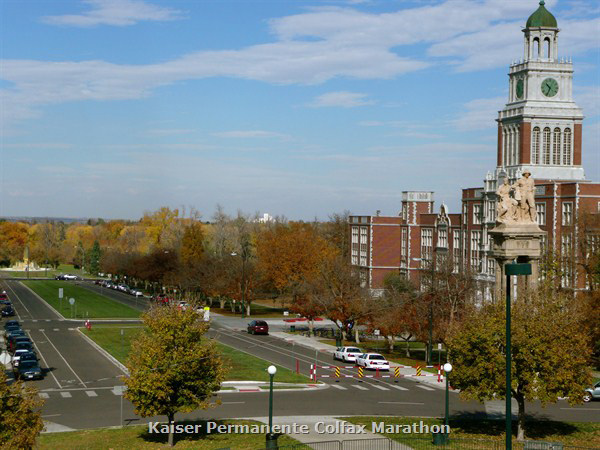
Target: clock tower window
x: 567, y: 147
x: 535, y: 146
x: 546, y: 146
x: 556, y: 147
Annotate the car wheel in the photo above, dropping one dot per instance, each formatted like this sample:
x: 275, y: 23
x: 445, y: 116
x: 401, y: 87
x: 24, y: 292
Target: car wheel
x: 587, y: 397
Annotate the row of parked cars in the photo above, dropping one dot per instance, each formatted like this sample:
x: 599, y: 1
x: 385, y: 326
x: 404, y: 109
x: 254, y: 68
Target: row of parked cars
x: 23, y: 356
x: 119, y: 287
x: 373, y: 361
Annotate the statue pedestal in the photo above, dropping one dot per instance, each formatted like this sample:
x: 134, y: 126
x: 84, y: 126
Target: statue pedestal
x: 519, y: 242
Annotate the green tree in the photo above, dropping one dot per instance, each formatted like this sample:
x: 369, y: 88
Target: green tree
x: 550, y: 352
x: 95, y: 255
x: 172, y: 368
x: 20, y: 416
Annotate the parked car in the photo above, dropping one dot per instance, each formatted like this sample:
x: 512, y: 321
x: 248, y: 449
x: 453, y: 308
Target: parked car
x: 373, y: 361
x: 60, y: 277
x: 28, y: 370
x: 13, y: 332
x: 13, y: 342
x: 592, y: 393
x: 7, y: 311
x: 258, y: 327
x: 183, y: 305
x: 347, y: 354
x: 5, y: 301
x: 11, y: 323
x: 71, y: 277
x: 23, y: 355
x: 3, y: 296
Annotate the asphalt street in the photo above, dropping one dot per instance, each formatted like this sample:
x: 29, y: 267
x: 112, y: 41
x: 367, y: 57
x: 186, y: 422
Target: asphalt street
x: 82, y: 388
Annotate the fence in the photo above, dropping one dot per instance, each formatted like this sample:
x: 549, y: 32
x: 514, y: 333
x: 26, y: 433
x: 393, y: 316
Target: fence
x: 335, y: 372
x: 422, y: 443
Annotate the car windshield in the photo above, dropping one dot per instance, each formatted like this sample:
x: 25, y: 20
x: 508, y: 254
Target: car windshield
x: 261, y: 323
x: 377, y: 357
x: 28, y: 365
x: 353, y: 350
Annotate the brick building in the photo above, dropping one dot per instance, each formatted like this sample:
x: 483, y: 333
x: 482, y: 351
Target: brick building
x: 539, y: 130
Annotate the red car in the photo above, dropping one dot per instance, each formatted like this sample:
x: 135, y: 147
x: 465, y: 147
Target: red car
x: 258, y: 327
x: 3, y: 296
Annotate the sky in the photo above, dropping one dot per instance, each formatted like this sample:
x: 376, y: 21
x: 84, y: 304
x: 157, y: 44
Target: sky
x: 302, y: 109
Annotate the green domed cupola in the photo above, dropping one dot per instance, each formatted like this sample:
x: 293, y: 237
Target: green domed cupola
x: 541, y: 18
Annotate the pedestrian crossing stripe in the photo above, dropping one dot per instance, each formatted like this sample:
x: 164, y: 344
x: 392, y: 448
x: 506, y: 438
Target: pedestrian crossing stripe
x: 381, y: 388
x: 91, y: 394
x: 362, y: 388
x: 337, y: 386
x: 400, y: 388
x: 427, y: 388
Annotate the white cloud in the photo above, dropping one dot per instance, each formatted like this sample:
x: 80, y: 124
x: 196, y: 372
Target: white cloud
x: 479, y: 114
x: 114, y: 12
x: 340, y: 98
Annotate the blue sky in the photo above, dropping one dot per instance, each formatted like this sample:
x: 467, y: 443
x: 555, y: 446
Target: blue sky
x: 110, y: 108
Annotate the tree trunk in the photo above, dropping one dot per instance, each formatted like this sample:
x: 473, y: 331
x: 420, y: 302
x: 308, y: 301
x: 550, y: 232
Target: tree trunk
x: 233, y: 305
x: 248, y: 310
x: 222, y: 302
x: 390, y: 342
x: 407, y: 348
x: 356, y: 338
x: 311, y: 327
x: 521, y: 424
x: 171, y: 421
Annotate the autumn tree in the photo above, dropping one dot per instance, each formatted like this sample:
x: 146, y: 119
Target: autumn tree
x: 94, y: 258
x: 13, y: 238
x: 172, y: 366
x: 20, y: 414
x: 550, y: 352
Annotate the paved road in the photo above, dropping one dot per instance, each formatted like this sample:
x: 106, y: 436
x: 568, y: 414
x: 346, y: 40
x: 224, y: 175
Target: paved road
x: 82, y: 388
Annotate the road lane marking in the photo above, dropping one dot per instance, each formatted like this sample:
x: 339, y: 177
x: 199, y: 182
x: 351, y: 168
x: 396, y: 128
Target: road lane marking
x: 581, y: 409
x: 51, y: 415
x: 427, y: 388
x: 63, y: 358
x: 46, y: 364
x: 44, y: 395
x: 337, y: 386
x: 232, y: 403
x: 357, y: 386
x: 118, y: 390
x: 400, y: 388
x: 66, y: 394
x: 381, y: 388
x: 91, y: 394
x: 55, y: 329
x: 402, y: 403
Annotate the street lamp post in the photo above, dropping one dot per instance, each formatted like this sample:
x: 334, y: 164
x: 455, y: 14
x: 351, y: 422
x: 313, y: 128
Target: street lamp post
x: 271, y: 437
x: 436, y: 251
x: 447, y: 369
x: 510, y: 269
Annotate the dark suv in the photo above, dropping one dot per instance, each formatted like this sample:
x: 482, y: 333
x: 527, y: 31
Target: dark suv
x: 28, y: 370
x: 258, y: 327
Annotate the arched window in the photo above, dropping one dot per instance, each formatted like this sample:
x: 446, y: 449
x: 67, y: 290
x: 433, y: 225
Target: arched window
x: 556, y: 147
x: 536, y: 48
x: 546, y: 146
x: 504, y: 146
x: 535, y: 146
x: 547, y: 47
x: 567, y: 147
x: 516, y: 146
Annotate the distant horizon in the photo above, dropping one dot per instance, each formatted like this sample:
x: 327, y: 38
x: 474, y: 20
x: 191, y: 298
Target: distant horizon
x: 299, y: 109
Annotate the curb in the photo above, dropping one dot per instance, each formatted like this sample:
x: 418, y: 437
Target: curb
x: 110, y: 357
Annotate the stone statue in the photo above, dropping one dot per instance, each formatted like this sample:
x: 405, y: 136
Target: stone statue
x: 524, y: 189
x: 516, y: 203
x: 505, y: 211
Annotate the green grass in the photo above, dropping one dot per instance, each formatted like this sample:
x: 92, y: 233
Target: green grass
x: 569, y: 433
x: 137, y: 437
x: 243, y: 367
x: 88, y: 304
x: 50, y: 273
x: 256, y: 309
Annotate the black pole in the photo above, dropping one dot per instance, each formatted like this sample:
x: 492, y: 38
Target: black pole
x: 508, y: 369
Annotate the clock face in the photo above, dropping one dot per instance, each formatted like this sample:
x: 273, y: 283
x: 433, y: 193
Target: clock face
x: 549, y: 87
x: 520, y: 89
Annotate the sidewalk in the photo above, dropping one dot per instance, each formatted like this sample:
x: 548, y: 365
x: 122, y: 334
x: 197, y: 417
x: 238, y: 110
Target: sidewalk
x: 314, y: 343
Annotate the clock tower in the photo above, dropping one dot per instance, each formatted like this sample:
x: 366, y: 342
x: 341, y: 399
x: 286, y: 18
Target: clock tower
x: 539, y: 129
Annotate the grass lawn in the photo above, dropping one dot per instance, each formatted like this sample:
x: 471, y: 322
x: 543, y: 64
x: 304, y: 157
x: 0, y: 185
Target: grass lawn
x: 569, y: 433
x: 50, y: 273
x: 257, y: 309
x: 138, y: 438
x: 88, y: 304
x: 243, y: 367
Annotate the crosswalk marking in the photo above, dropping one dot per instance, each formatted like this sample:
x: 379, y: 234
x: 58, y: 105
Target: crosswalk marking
x: 427, y: 388
x: 65, y: 394
x: 44, y: 395
x: 380, y: 387
x: 337, y: 386
x: 400, y: 388
x: 358, y: 386
x: 56, y: 329
x: 91, y: 394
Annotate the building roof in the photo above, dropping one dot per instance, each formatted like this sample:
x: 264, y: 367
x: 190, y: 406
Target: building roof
x: 541, y: 18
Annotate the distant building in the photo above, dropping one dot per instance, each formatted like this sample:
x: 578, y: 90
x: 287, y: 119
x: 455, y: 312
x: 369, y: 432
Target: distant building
x: 539, y: 129
x: 266, y: 218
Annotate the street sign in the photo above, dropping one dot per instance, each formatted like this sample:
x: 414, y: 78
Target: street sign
x: 60, y: 292
x: 206, y: 313
x: 71, y: 301
x: 376, y: 332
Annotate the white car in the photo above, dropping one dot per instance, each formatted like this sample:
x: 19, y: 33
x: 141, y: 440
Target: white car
x: 373, y: 361
x: 347, y: 354
x: 68, y: 276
